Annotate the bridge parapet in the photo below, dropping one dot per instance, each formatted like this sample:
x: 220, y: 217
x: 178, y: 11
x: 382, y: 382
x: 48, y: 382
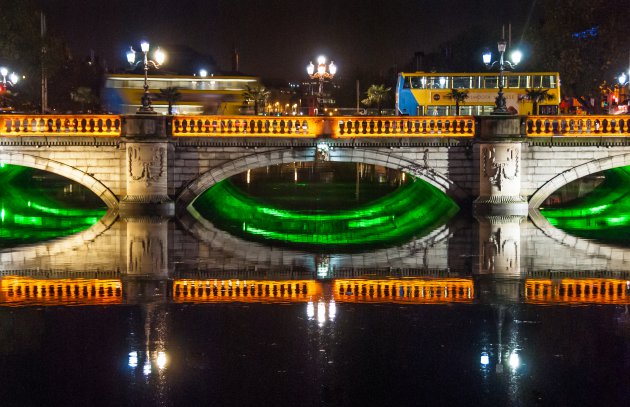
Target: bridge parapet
x: 578, y: 126
x: 403, y: 126
x: 60, y: 125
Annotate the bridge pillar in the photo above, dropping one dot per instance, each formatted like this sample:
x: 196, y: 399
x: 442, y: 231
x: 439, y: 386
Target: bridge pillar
x: 146, y: 166
x: 500, y: 245
x: 500, y: 167
x: 146, y: 278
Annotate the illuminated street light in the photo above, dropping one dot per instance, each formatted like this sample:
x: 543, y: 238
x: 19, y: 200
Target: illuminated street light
x: 503, y: 64
x: 158, y: 59
x: 321, y: 72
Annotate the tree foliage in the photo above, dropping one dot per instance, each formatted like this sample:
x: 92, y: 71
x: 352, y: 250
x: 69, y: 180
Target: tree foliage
x: 376, y: 95
x: 258, y: 95
x: 585, y: 40
x: 459, y: 96
x: 171, y: 95
x: 537, y: 95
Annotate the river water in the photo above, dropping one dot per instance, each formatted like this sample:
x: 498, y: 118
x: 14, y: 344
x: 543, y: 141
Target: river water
x: 271, y: 292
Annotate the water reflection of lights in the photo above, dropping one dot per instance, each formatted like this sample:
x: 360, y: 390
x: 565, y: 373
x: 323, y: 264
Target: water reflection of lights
x: 323, y: 309
x: 514, y: 360
x: 159, y: 359
x: 485, y: 359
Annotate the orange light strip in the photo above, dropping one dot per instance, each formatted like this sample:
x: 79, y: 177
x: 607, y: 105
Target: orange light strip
x: 403, y: 126
x: 247, y: 126
x: 60, y: 125
x: 246, y: 290
x: 577, y: 291
x: 23, y: 291
x: 577, y: 126
x: 425, y: 291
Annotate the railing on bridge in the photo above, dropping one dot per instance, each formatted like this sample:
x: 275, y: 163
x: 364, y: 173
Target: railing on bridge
x: 403, y: 126
x: 312, y: 127
x: 60, y: 125
x: 247, y: 126
x: 577, y: 126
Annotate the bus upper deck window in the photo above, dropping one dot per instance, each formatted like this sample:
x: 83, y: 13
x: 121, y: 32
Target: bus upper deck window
x: 406, y: 83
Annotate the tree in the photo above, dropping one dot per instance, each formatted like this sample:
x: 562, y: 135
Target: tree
x: 537, y: 95
x: 581, y: 39
x: 84, y: 97
x: 459, y: 96
x: 170, y: 95
x: 257, y: 94
x: 376, y: 94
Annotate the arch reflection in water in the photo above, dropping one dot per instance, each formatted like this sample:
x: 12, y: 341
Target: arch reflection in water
x: 602, y: 214
x: 414, y: 209
x: 35, y: 206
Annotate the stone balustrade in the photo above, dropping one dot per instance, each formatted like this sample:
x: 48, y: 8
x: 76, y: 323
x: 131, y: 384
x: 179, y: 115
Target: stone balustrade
x: 60, y: 125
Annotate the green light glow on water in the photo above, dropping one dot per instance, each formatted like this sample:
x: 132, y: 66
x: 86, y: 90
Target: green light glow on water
x: 603, y: 214
x: 33, y: 209
x: 410, y: 211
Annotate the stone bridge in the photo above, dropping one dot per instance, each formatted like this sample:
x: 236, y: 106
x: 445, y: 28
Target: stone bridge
x: 162, y: 164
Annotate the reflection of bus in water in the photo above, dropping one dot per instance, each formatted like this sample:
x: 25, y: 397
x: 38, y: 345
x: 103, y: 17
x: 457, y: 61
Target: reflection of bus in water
x: 199, y: 95
x: 426, y: 94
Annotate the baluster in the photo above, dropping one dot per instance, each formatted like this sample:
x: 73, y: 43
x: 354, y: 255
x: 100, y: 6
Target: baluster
x: 215, y: 124
x: 538, y: 126
x: 108, y: 125
x: 555, y: 126
x: 206, y: 126
x: 613, y: 126
x: 439, y: 126
x: 259, y: 126
x: 547, y: 126
x: 605, y: 128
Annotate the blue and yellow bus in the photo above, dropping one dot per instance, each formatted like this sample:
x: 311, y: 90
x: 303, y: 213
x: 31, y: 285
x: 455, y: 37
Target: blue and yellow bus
x: 199, y: 95
x: 427, y: 94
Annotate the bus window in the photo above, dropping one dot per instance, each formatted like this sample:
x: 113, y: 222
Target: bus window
x: 406, y: 83
x: 490, y: 82
x: 464, y: 82
x: 514, y: 81
x: 418, y: 82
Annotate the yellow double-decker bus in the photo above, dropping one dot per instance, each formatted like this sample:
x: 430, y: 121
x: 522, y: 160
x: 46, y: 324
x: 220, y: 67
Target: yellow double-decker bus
x: 427, y: 94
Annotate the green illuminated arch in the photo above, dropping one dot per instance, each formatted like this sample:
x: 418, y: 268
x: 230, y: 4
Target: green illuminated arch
x: 64, y: 170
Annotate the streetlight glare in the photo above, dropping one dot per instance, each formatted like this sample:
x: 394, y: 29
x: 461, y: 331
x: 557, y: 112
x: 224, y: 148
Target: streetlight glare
x: 332, y: 68
x: 14, y: 78
x: 131, y: 56
x: 159, y: 56
x: 144, y: 46
x: 321, y: 59
x: 310, y: 68
x: 517, y: 56
x: 4, y: 71
x: 487, y: 57
x: 622, y: 79
x: 203, y: 73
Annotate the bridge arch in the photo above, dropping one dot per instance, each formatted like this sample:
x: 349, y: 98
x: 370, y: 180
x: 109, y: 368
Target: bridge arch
x: 338, y: 154
x: 574, y: 173
x: 64, y: 170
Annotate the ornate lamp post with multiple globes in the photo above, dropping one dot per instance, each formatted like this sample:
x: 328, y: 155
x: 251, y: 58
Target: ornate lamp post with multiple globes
x: 322, y: 73
x: 503, y: 64
x: 158, y: 59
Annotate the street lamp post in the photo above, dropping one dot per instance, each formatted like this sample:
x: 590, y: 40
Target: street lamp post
x: 323, y: 72
x: 13, y: 80
x: 159, y: 58
x: 503, y: 64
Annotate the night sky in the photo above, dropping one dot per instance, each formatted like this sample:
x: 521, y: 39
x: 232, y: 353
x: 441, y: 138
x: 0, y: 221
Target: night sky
x: 277, y: 38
